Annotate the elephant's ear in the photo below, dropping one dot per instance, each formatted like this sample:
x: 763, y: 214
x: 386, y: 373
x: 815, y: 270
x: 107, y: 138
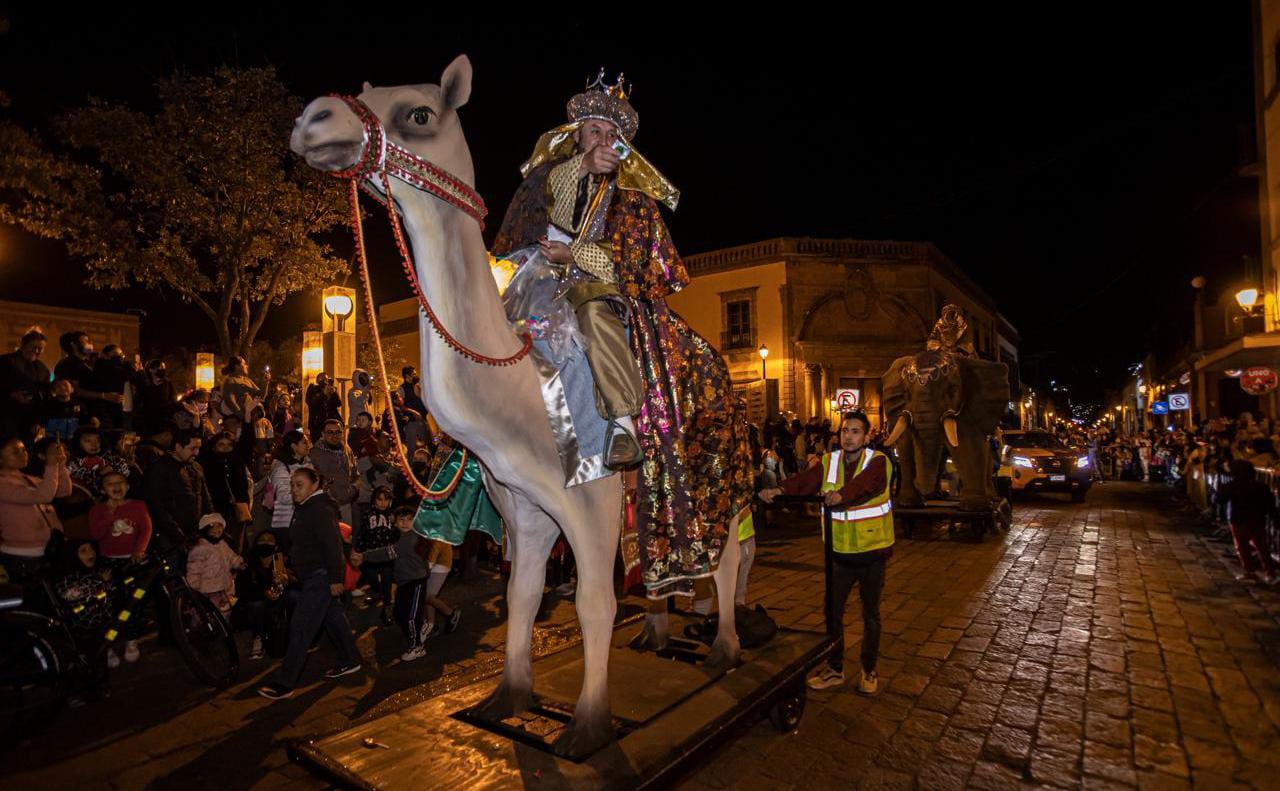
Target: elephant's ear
x: 893, y: 392
x: 986, y: 391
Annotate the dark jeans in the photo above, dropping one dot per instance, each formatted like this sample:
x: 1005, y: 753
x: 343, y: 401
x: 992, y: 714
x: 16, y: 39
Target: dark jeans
x: 316, y: 608
x: 261, y: 613
x: 411, y: 610
x: 379, y: 575
x: 867, y: 571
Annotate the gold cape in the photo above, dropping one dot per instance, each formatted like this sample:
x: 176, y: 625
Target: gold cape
x: 634, y: 172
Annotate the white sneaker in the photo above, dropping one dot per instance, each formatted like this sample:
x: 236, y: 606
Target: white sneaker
x: 113, y: 659
x: 417, y: 652
x: 357, y: 593
x: 131, y: 652
x: 826, y: 678
x: 869, y: 684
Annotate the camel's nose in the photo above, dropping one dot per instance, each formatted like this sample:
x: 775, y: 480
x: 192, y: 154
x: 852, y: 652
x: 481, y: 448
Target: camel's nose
x: 325, y: 121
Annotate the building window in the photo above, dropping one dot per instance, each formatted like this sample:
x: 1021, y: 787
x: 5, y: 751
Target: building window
x: 738, y: 320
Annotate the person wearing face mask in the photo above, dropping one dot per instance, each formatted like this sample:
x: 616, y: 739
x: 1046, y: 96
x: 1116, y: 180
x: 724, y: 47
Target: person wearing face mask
x: 77, y: 368
x: 294, y: 454
x: 260, y: 590
x: 227, y: 475
x: 211, y: 561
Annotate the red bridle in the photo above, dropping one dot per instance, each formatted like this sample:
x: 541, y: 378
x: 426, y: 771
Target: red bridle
x: 381, y: 158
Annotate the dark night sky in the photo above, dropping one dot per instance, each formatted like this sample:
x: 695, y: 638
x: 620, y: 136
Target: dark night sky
x: 1079, y: 165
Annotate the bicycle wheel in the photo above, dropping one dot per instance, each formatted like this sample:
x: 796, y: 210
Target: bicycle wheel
x: 32, y: 689
x: 203, y: 638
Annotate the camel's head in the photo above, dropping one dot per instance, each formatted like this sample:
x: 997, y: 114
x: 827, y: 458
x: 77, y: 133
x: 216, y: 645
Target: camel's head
x: 421, y: 118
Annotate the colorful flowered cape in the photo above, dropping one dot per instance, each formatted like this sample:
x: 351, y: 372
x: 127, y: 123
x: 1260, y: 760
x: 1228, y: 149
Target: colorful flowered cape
x: 696, y: 474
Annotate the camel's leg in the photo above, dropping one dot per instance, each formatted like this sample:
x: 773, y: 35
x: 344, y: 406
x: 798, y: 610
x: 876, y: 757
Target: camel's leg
x: 531, y: 537
x: 654, y: 635
x: 725, y: 649
x: 594, y: 548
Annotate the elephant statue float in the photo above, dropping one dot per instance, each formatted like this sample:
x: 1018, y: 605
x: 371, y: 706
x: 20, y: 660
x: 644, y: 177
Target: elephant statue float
x: 945, y: 394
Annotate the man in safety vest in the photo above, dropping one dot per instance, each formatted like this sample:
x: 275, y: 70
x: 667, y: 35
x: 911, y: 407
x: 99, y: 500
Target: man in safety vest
x: 855, y: 481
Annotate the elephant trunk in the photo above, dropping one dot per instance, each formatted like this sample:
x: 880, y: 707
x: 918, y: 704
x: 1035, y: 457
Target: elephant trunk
x: 928, y: 455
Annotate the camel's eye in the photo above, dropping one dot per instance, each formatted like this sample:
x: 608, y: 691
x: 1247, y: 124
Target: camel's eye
x: 421, y: 115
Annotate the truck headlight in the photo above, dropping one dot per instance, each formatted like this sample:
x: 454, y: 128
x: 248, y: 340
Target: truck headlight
x: 1023, y: 461
x: 1082, y: 462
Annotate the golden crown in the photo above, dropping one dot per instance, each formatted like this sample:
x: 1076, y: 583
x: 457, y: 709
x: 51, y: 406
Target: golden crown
x: 608, y: 103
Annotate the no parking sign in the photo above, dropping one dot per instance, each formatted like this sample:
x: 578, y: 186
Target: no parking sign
x: 1179, y: 402
x: 847, y: 400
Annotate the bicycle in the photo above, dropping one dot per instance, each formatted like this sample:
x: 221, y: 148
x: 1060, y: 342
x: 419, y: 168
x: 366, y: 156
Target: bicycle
x: 42, y: 660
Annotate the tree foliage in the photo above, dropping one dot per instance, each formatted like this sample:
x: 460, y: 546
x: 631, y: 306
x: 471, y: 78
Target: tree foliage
x: 199, y: 196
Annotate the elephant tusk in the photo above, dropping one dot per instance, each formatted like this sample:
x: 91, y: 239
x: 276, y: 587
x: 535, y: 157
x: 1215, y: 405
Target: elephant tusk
x: 953, y: 434
x: 899, y: 429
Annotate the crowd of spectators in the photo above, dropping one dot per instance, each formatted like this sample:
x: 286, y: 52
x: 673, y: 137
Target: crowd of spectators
x: 105, y: 463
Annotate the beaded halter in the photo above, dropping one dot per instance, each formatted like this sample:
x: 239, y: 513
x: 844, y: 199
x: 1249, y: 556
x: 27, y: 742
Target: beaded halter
x: 381, y: 158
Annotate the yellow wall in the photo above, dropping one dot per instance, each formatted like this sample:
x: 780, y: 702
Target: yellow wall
x: 699, y: 304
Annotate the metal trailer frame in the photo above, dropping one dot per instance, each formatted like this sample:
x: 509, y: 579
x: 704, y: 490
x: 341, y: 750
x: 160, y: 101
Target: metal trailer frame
x: 757, y: 687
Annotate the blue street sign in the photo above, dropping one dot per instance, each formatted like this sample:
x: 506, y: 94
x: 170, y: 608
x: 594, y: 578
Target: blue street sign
x: 1159, y: 407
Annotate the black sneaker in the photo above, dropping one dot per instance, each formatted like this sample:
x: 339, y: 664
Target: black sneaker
x: 453, y: 620
x: 341, y: 670
x: 275, y: 691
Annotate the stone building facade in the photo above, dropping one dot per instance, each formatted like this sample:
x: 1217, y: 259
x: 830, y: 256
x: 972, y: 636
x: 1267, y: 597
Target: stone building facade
x: 833, y: 314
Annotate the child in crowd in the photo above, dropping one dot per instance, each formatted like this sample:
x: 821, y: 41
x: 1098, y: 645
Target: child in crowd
x: 360, y: 437
x: 122, y: 527
x: 440, y: 562
x: 378, y: 531
x: 410, y: 557
x: 210, y: 563
x: 260, y: 588
x: 88, y: 463
x: 86, y: 590
x: 63, y: 412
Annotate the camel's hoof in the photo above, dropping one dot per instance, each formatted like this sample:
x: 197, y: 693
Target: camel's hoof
x: 503, y: 702
x: 649, y: 639
x: 581, y: 738
x: 724, y: 655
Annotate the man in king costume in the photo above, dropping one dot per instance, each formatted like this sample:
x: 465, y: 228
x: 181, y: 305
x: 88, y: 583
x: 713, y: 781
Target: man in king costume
x: 589, y: 202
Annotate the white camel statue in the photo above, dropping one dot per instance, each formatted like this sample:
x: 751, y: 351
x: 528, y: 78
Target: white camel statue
x: 497, y: 412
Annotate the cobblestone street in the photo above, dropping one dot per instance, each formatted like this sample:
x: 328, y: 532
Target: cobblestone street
x: 1098, y: 645
x: 1101, y: 644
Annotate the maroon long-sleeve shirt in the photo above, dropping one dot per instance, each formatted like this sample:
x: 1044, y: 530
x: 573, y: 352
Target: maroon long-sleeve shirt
x: 856, y: 490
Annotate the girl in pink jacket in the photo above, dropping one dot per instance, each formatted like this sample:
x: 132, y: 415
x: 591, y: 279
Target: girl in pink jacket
x: 210, y: 564
x: 27, y: 519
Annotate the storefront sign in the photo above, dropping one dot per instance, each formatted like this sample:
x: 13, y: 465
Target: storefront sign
x: 1259, y: 381
x: 1159, y: 407
x: 847, y: 400
x: 1179, y: 402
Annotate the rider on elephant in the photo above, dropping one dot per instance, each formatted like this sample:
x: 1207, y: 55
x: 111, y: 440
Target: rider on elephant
x: 589, y: 202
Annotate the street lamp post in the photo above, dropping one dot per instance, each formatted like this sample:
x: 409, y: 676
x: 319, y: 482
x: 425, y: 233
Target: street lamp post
x: 764, y: 353
x: 339, y: 328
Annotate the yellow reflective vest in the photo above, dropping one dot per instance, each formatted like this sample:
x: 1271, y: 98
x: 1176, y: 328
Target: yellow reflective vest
x: 868, y: 525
